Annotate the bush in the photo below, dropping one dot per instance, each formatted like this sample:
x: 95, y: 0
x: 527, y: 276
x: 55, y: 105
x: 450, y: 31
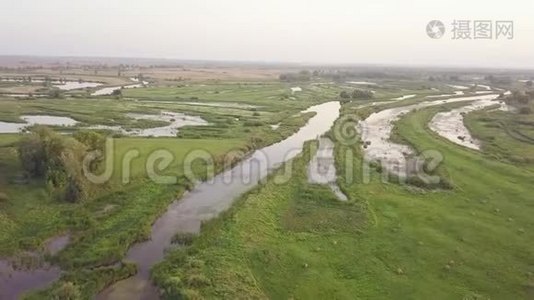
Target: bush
x: 197, y: 280
x: 418, y: 182
x: 32, y: 156
x: 253, y: 123
x: 255, y: 140
x: 344, y: 95
x: 172, y: 286
x: 3, y: 197
x: 67, y: 291
x: 55, y: 94
x: 184, y: 238
x: 191, y: 295
x: 58, y: 159
x: 117, y: 93
x: 92, y: 139
x: 525, y: 110
x: 75, y: 190
x: 362, y: 94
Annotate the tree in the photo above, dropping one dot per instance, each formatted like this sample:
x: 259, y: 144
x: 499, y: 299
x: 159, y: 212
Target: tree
x: 117, y: 93
x: 32, y: 156
x: 344, y: 95
x: 57, y: 159
x: 92, y: 139
x: 362, y: 94
x: 55, y: 94
x: 66, y: 291
x: 47, y: 81
x: 525, y: 110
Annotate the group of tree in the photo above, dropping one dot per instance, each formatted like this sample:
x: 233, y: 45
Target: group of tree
x: 58, y: 160
x: 117, y: 93
x: 498, y: 80
x: 357, y: 94
x: 522, y: 100
x: 303, y: 75
x: 55, y: 94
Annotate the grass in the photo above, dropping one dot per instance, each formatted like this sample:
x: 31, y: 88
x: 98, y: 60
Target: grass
x: 233, y: 122
x: 83, y: 284
x: 30, y: 216
x: 101, y: 230
x: 389, y: 241
x: 180, y: 150
x: 243, y: 253
x: 120, y: 213
x: 293, y: 240
x: 508, y: 137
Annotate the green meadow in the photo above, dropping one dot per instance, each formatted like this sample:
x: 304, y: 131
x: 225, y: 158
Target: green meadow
x: 297, y: 241
x: 471, y: 240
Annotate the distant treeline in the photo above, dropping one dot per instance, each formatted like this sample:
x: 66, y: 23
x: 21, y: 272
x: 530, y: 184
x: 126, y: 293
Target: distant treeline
x: 522, y: 100
x: 357, y: 94
x: 339, y: 75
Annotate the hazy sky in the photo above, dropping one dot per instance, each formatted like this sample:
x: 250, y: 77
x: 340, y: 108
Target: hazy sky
x: 309, y: 31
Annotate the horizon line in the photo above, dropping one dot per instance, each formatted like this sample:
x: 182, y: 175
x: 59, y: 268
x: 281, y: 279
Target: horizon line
x: 277, y: 62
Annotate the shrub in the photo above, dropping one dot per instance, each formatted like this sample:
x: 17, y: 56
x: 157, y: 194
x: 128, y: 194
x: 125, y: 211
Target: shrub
x: 55, y: 94
x: 344, y: 95
x: 117, y: 93
x: 32, y: 155
x: 362, y: 94
x: 184, y: 238
x: 525, y: 110
x: 253, y: 123
x: 67, y: 291
x: 172, y: 286
x: 191, y: 295
x: 92, y: 139
x: 197, y: 280
x: 193, y: 263
x: 58, y: 159
x: 3, y: 197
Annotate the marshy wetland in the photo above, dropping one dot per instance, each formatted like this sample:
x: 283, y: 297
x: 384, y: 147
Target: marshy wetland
x: 293, y: 184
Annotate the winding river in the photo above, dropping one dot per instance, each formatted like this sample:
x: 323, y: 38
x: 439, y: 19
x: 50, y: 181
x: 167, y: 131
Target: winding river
x: 450, y: 124
x: 377, y: 128
x: 210, y: 198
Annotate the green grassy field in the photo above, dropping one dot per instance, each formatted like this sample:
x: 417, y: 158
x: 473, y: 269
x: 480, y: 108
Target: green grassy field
x: 120, y: 213
x: 29, y: 215
x: 293, y: 240
x: 389, y: 241
x: 506, y: 136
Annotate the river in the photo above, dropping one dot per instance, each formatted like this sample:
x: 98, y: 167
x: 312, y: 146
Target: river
x: 204, y: 202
